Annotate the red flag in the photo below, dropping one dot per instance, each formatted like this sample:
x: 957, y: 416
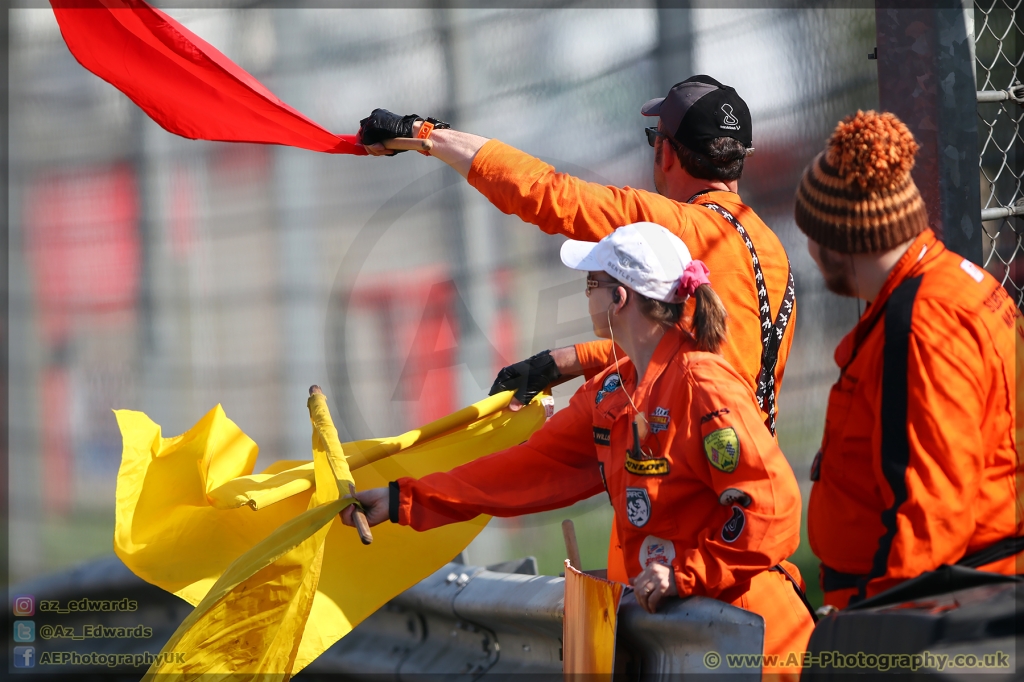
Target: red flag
x: 181, y: 81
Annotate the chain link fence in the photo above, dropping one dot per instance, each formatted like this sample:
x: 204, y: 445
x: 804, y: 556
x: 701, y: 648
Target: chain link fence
x: 999, y: 29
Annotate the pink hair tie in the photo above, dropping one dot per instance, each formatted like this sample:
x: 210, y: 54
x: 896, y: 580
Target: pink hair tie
x: 694, y: 274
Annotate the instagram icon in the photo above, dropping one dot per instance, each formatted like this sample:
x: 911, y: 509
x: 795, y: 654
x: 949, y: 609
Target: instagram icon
x: 24, y: 606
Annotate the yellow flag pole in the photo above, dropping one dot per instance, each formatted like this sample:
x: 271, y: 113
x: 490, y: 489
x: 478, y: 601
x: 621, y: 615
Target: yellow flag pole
x: 336, y: 456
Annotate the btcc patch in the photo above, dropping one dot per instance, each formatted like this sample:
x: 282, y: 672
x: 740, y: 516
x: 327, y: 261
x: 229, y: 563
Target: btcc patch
x: 654, y: 549
x: 602, y: 436
x: 731, y: 496
x: 734, y: 526
x: 659, y: 420
x: 611, y: 383
x: 638, y: 506
x: 723, y: 449
x: 647, y: 467
x: 711, y: 415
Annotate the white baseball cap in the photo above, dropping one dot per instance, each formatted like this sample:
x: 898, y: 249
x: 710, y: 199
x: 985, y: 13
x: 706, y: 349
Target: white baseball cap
x: 646, y: 257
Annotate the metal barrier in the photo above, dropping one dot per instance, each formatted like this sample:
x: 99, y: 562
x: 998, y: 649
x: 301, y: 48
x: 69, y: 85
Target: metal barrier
x: 467, y: 620
x: 463, y: 621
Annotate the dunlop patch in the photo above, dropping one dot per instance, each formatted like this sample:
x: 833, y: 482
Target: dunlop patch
x: 602, y: 436
x: 722, y: 448
x: 647, y: 467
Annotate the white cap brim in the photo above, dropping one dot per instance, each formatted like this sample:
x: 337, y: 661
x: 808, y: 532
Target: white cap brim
x: 581, y: 255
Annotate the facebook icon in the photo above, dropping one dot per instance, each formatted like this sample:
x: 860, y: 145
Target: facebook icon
x: 24, y: 657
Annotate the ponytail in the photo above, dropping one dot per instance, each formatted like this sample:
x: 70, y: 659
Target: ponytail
x: 708, y: 324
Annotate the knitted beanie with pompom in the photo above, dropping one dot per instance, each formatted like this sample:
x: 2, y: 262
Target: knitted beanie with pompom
x: 857, y: 196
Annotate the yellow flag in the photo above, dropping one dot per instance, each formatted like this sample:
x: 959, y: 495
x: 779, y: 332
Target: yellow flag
x: 276, y: 577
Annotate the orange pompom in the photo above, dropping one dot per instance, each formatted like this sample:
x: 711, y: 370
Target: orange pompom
x: 874, y: 150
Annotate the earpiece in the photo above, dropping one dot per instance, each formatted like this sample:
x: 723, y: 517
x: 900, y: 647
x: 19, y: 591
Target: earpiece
x: 616, y: 298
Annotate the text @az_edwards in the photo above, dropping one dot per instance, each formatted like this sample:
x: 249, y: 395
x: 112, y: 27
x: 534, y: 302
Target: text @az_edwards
x: 86, y: 605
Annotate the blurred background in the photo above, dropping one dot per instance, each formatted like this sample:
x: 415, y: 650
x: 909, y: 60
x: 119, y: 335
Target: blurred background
x: 159, y: 274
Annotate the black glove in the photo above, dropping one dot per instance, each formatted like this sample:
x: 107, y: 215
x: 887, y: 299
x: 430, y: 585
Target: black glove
x: 528, y: 377
x: 382, y: 125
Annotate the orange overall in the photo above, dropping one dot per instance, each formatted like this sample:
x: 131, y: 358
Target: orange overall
x: 519, y: 184
x: 917, y: 465
x: 709, y: 493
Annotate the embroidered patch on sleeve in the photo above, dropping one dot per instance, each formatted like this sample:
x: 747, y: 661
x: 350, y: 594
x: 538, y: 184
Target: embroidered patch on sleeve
x: 734, y: 526
x: 655, y: 549
x: 732, y: 496
x: 602, y: 436
x: 611, y: 383
x: 722, y: 448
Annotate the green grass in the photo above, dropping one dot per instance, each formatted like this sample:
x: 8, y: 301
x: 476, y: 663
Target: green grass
x: 808, y: 564
x: 540, y: 535
x: 80, y: 537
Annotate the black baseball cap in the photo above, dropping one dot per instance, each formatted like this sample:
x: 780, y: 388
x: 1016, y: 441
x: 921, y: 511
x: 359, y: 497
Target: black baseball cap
x: 700, y: 109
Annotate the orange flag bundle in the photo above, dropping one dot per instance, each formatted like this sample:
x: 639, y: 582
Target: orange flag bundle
x: 588, y: 631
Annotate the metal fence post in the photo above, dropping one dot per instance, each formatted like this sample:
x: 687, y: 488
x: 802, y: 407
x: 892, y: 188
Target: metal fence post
x: 674, y: 53
x: 926, y: 77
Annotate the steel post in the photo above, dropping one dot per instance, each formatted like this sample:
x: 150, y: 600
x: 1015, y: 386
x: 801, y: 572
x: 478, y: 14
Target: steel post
x: 926, y: 77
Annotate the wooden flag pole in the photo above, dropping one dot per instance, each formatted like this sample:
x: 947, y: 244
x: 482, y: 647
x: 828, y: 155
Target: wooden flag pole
x: 572, y: 549
x: 358, y: 517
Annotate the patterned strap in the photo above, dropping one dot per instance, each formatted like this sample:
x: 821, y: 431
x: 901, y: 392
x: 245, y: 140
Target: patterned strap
x: 771, y: 334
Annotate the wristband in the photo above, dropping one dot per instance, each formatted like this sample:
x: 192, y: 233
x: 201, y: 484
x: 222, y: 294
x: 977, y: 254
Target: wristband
x: 429, y: 125
x: 393, y: 500
x: 425, y: 129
